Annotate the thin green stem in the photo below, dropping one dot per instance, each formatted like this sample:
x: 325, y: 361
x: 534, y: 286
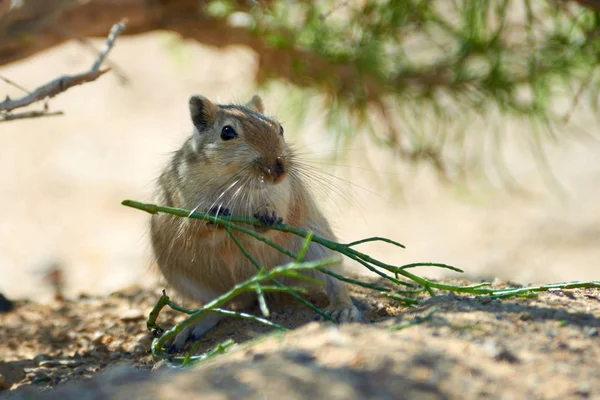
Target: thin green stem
x: 375, y: 239
x: 305, y: 247
x: 262, y: 303
x: 428, y: 264
x: 259, y: 267
x: 197, y: 315
x: 358, y: 256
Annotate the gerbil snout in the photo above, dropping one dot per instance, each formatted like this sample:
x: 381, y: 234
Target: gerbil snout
x: 275, y: 171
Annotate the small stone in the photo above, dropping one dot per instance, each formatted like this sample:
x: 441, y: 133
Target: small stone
x: 59, y: 363
x: 162, y: 364
x: 40, y: 357
x: 591, y: 332
x: 583, y: 389
x: 70, y: 363
x: 97, y: 337
x: 560, y: 314
x: 497, y: 283
x: 3, y: 384
x: 41, y: 378
x: 99, y: 355
x: 335, y: 337
x: 140, y: 344
x: 507, y: 355
x: 134, y: 348
x: 500, y: 353
x: 49, y: 363
x: 6, y: 305
x: 299, y: 356
x: 525, y: 317
x: 258, y: 357
x: 485, y: 300
x: 144, y: 339
x: 81, y: 370
x: 131, y: 315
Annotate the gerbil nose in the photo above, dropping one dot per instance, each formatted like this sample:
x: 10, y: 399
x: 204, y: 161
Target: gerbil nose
x: 278, y: 168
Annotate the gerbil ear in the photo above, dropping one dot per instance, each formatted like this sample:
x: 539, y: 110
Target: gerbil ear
x: 202, y: 111
x: 256, y: 104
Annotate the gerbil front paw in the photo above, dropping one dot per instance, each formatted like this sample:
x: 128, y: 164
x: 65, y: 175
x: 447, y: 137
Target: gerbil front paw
x: 342, y: 313
x: 217, y: 211
x: 266, y: 217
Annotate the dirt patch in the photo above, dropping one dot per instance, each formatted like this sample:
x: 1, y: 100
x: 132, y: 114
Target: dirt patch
x: 546, y: 347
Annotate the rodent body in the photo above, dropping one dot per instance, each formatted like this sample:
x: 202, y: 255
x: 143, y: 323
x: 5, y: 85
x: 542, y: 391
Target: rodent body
x: 235, y: 163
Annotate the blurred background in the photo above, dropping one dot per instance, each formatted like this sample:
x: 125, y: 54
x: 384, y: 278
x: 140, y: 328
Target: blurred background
x: 465, y: 130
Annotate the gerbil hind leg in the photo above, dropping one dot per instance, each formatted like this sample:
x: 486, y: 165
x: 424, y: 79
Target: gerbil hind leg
x: 202, y: 295
x: 196, y: 331
x: 340, y: 308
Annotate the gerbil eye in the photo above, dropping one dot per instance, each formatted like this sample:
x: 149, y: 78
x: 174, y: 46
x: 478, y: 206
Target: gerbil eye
x: 281, y: 130
x: 228, y: 133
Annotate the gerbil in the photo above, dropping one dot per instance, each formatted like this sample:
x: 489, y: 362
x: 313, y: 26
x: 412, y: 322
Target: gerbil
x: 235, y: 163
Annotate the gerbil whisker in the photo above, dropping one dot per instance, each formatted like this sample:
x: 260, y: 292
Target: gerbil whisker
x: 319, y: 172
x: 218, y: 198
x: 237, y: 178
x: 354, y: 167
x: 324, y: 184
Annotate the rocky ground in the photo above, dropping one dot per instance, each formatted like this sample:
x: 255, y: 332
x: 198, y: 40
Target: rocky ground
x: 541, y: 348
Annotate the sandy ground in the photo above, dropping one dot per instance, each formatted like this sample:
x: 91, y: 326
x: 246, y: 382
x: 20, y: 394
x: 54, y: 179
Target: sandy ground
x: 470, y: 348
x: 62, y: 179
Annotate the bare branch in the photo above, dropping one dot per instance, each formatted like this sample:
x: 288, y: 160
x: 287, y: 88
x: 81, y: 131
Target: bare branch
x: 51, y: 89
x: 5, y: 117
x: 65, y: 82
x: 112, y: 36
x: 15, y: 84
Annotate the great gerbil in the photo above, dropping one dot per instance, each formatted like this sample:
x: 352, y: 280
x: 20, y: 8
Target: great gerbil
x: 235, y: 163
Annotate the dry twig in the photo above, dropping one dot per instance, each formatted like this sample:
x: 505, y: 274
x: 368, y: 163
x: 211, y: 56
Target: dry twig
x: 62, y: 83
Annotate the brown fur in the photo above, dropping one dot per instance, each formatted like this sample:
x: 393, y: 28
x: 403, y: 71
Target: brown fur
x: 200, y: 260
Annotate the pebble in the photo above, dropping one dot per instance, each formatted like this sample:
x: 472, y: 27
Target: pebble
x: 162, y: 364
x: 583, y: 389
x: 5, y: 304
x: 3, y: 384
x: 132, y: 314
x: 335, y: 337
x: 135, y: 348
x: 144, y: 339
x: 525, y: 317
x: 98, y: 354
x: 591, y: 332
x: 59, y: 363
x: 40, y: 357
x: 499, y: 352
x: 41, y: 378
x: 299, y: 356
x: 140, y: 344
x: 97, y: 337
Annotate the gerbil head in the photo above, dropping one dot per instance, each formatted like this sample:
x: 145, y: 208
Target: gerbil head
x: 239, y: 138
